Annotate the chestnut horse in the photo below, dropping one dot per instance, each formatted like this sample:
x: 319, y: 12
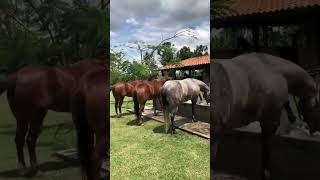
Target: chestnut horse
x: 90, y: 112
x: 256, y: 87
x: 147, y: 90
x: 32, y: 91
x: 120, y: 90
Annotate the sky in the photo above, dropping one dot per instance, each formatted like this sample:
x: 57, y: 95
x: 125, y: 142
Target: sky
x: 151, y: 21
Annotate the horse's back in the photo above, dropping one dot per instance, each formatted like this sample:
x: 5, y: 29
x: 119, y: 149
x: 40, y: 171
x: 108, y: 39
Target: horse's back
x: 119, y: 90
x: 248, y: 86
x: 34, y: 84
x: 144, y: 91
x: 264, y: 66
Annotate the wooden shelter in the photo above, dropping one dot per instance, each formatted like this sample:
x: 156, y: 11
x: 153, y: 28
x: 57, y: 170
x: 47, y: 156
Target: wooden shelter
x: 188, y: 67
x: 258, y: 15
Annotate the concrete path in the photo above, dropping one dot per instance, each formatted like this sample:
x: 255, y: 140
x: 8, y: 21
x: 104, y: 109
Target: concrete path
x: 199, y: 127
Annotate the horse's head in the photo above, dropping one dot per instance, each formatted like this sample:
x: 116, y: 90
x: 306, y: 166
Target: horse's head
x: 206, y: 96
x: 310, y: 110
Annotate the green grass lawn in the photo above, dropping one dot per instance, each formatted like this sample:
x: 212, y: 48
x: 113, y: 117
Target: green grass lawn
x: 51, y: 167
x: 146, y: 152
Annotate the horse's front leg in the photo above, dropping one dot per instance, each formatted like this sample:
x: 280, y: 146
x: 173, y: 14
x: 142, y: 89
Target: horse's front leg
x: 265, y: 147
x: 116, y: 107
x: 33, y: 134
x: 269, y: 126
x: 194, y: 101
x: 120, y: 104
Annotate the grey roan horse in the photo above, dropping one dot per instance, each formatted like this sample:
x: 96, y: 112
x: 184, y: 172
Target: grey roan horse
x: 175, y: 92
x: 256, y: 87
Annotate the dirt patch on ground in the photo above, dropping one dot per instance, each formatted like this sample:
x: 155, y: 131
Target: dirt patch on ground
x: 227, y: 177
x: 198, y: 126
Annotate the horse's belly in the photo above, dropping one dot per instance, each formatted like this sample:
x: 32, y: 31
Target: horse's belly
x: 60, y: 108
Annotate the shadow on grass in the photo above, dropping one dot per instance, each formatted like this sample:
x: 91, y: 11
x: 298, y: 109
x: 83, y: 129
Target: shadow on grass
x: 135, y: 122
x: 11, y: 129
x: 123, y: 114
x: 159, y: 129
x: 7, y: 126
x: 44, y: 167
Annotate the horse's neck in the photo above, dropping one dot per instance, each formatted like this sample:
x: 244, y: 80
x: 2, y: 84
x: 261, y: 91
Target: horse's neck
x: 203, y: 86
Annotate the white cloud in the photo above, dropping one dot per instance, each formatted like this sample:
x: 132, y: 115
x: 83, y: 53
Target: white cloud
x: 159, y: 13
x: 158, y: 19
x: 132, y: 21
x: 113, y: 34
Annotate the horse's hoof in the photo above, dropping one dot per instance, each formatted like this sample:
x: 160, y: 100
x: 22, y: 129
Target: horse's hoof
x: 267, y: 175
x: 33, y: 172
x: 23, y: 171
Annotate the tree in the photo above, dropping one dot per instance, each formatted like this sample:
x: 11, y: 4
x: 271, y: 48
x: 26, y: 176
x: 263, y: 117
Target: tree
x: 166, y: 52
x: 200, y: 51
x: 143, y: 47
x: 51, y: 32
x: 184, y: 53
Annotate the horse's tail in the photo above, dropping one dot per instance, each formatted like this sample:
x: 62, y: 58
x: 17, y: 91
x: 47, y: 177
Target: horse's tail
x: 136, y: 103
x: 165, y: 106
x: 7, y: 83
x: 85, y: 137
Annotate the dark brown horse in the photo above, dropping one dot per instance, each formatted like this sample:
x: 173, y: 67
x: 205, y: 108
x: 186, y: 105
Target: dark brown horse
x: 90, y: 112
x: 256, y: 87
x: 147, y: 90
x: 121, y: 90
x: 32, y: 91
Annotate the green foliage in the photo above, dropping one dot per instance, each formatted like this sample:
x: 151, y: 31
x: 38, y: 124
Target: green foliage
x: 50, y: 32
x: 184, y: 53
x: 166, y: 52
x: 123, y: 70
x: 200, y: 51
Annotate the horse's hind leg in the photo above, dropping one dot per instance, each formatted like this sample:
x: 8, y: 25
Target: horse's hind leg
x: 21, y: 131
x: 155, y: 102
x: 33, y: 134
x: 141, y: 109
x: 173, y: 128
x: 100, y: 152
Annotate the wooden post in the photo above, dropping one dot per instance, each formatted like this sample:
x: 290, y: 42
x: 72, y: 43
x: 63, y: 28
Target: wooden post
x: 174, y: 74
x: 190, y: 73
x: 162, y: 73
x: 255, y: 37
